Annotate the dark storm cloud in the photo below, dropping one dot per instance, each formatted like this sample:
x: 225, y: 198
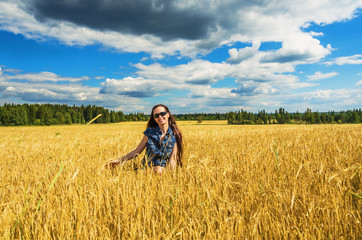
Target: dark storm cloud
x: 158, y: 17
x: 137, y: 94
x: 244, y: 91
x: 290, y: 57
x: 142, y: 93
x: 199, y: 81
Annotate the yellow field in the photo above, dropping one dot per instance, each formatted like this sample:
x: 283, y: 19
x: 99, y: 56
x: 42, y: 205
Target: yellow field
x: 238, y: 182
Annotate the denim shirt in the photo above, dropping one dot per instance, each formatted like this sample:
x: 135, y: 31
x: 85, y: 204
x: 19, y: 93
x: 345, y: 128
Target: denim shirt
x: 157, y: 154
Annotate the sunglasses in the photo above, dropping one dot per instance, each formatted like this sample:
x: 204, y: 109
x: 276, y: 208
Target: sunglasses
x: 159, y: 114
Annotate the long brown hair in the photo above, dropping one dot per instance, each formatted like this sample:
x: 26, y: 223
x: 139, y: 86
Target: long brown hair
x: 172, y: 123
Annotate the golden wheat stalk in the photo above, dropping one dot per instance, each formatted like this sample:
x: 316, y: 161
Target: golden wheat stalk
x: 94, y: 119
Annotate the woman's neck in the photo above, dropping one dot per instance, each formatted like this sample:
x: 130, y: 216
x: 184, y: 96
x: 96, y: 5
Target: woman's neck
x: 163, y: 128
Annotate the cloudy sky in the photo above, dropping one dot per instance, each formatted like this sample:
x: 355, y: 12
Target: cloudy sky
x: 194, y: 56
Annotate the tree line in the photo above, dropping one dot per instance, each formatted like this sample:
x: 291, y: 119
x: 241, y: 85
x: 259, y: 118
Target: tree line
x: 53, y: 114
x: 200, y: 116
x: 281, y: 117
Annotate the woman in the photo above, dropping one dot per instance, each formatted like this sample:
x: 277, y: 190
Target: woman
x: 162, y: 140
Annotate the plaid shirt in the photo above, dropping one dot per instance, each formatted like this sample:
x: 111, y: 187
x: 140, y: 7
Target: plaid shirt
x: 158, y: 153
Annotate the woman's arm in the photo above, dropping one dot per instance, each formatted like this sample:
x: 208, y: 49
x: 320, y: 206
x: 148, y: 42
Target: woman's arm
x: 134, y: 153
x: 173, y: 157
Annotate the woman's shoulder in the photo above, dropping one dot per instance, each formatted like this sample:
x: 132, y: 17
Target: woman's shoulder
x: 150, y: 131
x: 170, y: 131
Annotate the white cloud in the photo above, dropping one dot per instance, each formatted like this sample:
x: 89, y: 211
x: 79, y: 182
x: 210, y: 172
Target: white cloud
x: 321, y: 100
x: 38, y: 91
x: 265, y: 89
x: 316, y: 33
x: 232, y: 21
x: 355, y: 59
x: 255, y: 77
x: 47, y: 92
x: 196, y: 72
x: 359, y: 83
x: 329, y: 94
x: 251, y: 76
x: 299, y: 48
x: 318, y: 75
x: 237, y: 56
x: 212, y: 93
x: 136, y: 87
x: 41, y: 77
x: 10, y: 89
x: 121, y: 94
x: 155, y: 79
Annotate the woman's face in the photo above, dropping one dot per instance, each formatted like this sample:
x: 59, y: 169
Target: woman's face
x: 157, y: 115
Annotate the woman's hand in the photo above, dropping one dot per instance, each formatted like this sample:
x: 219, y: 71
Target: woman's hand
x: 131, y: 155
x: 113, y: 163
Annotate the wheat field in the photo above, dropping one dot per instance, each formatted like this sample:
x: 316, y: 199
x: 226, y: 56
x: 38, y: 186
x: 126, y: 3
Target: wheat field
x: 237, y: 182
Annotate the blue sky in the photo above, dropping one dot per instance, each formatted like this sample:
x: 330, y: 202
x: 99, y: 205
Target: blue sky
x: 194, y: 56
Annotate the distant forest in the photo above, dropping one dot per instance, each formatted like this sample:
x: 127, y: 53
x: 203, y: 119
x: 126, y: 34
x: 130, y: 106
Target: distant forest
x: 53, y: 114
x: 281, y: 117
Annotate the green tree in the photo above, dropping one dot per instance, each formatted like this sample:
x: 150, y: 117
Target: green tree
x: 74, y: 115
x: 200, y: 119
x: 265, y: 118
x: 113, y: 117
x: 251, y: 118
x: 23, y: 115
x: 88, y: 113
x: 297, y: 116
x: 14, y: 117
x: 107, y: 116
x: 59, y: 118
x: 5, y: 117
x: 355, y: 117
x: 67, y: 118
x: 32, y: 109
x: 38, y: 122
x: 324, y: 118
x: 122, y: 117
x: 316, y: 117
x: 308, y: 117
x: 287, y: 117
x: 48, y: 116
x: 231, y: 118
